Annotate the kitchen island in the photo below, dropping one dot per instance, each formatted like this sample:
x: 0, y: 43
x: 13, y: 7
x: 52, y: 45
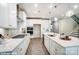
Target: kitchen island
x: 56, y: 46
x: 14, y: 46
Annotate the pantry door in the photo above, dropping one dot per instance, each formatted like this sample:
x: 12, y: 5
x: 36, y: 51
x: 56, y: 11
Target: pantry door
x: 37, y: 30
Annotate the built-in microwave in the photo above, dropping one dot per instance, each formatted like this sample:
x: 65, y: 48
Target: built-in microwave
x: 30, y: 30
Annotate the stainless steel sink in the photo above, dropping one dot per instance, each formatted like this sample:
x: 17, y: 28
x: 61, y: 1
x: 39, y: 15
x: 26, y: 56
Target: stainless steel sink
x: 19, y: 36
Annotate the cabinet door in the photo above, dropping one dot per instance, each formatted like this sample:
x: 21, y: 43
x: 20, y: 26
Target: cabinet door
x: 71, y: 51
x: 3, y: 14
x: 59, y: 50
x: 78, y: 50
x: 12, y: 15
x: 52, y: 47
x: 22, y: 48
x: 47, y: 43
x: 8, y: 17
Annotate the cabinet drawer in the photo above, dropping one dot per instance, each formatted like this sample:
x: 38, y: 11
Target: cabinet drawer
x: 47, y: 43
x: 59, y: 50
x: 71, y: 51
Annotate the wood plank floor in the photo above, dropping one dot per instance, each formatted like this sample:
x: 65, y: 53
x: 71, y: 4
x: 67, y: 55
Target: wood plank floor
x: 36, y: 47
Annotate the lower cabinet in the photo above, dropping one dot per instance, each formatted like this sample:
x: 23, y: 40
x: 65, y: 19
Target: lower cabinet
x: 59, y: 50
x: 72, y: 51
x: 46, y: 42
x: 52, y: 47
x: 78, y: 50
x: 56, y: 49
x: 22, y: 48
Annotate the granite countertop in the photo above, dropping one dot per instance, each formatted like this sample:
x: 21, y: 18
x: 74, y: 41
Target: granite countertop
x: 10, y: 45
x: 73, y: 42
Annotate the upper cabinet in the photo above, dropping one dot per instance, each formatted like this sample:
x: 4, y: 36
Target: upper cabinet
x: 8, y: 15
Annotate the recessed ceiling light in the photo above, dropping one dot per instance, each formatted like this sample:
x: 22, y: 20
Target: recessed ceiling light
x: 55, y: 18
x: 69, y: 13
x: 75, y: 6
x: 35, y: 5
x: 50, y: 6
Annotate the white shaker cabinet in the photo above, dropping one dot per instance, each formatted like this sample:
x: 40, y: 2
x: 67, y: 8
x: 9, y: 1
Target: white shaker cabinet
x: 22, y: 48
x: 59, y: 50
x: 46, y: 42
x: 55, y: 49
x: 78, y: 50
x: 52, y: 47
x: 8, y: 15
x: 71, y: 51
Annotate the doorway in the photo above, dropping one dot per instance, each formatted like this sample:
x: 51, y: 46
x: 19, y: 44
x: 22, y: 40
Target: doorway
x: 37, y: 30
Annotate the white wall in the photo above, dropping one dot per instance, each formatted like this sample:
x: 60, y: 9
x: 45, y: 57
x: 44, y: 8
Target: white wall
x: 30, y: 22
x: 67, y: 25
x: 44, y: 24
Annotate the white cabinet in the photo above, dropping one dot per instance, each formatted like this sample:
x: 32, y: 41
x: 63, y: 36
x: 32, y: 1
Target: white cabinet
x: 71, y: 51
x: 22, y: 48
x: 3, y: 14
x: 12, y: 15
x: 78, y: 50
x: 46, y: 42
x: 59, y: 50
x: 52, y: 47
x: 19, y: 49
x: 8, y: 15
x: 24, y: 45
x: 56, y: 49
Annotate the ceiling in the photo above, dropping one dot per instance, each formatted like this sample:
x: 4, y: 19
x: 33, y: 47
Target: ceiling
x: 44, y: 10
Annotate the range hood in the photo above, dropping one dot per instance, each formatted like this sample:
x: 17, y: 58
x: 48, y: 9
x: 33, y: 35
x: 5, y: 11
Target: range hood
x: 75, y: 18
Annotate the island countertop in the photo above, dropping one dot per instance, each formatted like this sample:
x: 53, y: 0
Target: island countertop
x: 10, y: 45
x: 64, y: 43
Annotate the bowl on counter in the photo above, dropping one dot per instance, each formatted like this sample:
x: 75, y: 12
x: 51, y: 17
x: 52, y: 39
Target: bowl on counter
x: 65, y: 38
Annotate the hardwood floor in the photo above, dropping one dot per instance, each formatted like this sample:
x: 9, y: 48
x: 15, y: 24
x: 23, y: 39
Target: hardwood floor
x: 36, y: 47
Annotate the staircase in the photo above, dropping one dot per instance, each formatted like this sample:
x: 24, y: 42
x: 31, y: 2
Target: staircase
x: 75, y: 18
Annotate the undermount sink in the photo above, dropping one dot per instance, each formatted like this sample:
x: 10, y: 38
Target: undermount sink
x: 51, y: 35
